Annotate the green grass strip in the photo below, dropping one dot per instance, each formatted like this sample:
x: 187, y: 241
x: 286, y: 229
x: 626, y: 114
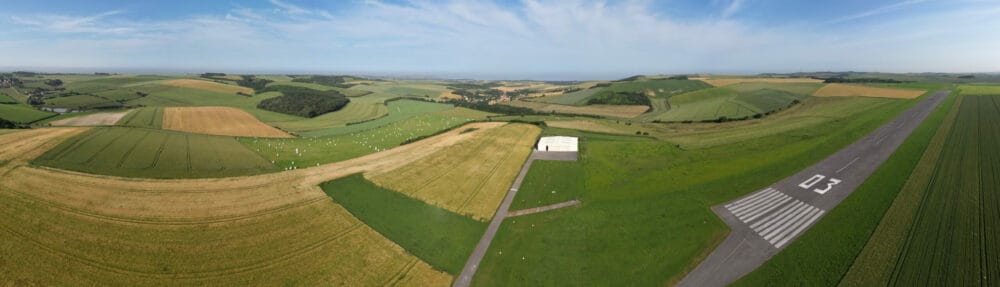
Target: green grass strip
x: 825, y: 252
x: 437, y: 236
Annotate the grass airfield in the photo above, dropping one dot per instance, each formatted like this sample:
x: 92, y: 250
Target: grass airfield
x: 394, y: 189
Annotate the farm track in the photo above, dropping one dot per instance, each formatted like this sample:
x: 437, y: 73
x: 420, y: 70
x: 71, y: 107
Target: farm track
x: 157, y: 210
x: 765, y: 222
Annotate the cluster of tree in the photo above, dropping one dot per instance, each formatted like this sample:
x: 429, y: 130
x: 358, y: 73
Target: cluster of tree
x: 631, y: 79
x: 54, y: 82
x: 5, y: 124
x: 213, y: 75
x: 478, y: 95
x: 619, y: 98
x: 562, y: 83
x: 861, y: 80
x: 303, y: 102
x: 333, y: 81
x: 25, y: 74
x: 9, y: 80
x: 967, y: 77
x: 498, y: 109
x: 252, y: 82
x: 102, y: 74
x: 678, y: 77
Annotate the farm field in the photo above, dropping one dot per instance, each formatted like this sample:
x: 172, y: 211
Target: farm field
x: 662, y: 88
x: 133, y: 152
x: 949, y: 237
x: 631, y: 221
x: 143, y: 118
x: 979, y: 89
x: 20, y: 113
x: 470, y: 178
x: 400, y: 110
x: 5, y: 99
x: 310, y: 151
x: 826, y: 251
x: 224, y: 121
x: 276, y: 228
x: 81, y: 102
x: 842, y: 90
x: 724, y: 81
x: 440, y: 237
x: 95, y: 119
x: 732, y: 102
x: 208, y: 86
x: 615, y: 111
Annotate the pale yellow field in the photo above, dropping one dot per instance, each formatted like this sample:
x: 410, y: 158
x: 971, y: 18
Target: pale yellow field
x: 449, y: 95
x: 98, y: 119
x: 470, y: 178
x: 224, y: 121
x: 600, y: 110
x: 718, y: 82
x: 842, y: 90
x: 208, y: 86
x: 66, y: 228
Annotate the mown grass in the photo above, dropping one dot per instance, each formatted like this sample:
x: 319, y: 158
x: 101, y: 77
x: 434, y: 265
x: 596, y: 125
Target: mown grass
x: 980, y: 89
x: 550, y: 182
x: 824, y: 253
x: 646, y: 218
x: 732, y: 102
x: 151, y: 117
x: 148, y: 153
x: 398, y: 111
x: 439, y: 237
x: 662, y: 88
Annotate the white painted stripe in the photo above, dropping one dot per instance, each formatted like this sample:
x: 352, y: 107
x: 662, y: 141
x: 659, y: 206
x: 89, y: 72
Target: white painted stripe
x: 848, y: 164
x: 799, y: 230
x: 770, y: 226
x: 763, y: 205
x: 749, y: 198
x: 755, y: 202
x: 788, y: 221
x: 794, y: 224
x: 782, y: 212
x: 762, y: 211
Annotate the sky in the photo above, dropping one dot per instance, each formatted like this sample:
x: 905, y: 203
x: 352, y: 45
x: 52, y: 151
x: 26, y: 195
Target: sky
x: 508, y: 39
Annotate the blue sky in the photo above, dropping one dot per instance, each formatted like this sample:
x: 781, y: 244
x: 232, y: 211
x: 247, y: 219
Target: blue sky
x: 502, y: 39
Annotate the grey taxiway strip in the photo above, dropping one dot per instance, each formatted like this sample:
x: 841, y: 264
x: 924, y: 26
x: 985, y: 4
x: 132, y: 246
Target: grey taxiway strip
x: 765, y: 222
x: 465, y: 278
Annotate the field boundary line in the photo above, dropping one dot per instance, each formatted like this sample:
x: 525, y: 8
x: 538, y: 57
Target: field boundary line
x: 164, y: 221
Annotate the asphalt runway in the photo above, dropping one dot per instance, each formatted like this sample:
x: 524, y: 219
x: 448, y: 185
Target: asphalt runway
x: 766, y: 221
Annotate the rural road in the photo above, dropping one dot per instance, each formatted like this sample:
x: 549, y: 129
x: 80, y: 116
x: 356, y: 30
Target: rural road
x: 465, y: 278
x: 765, y: 222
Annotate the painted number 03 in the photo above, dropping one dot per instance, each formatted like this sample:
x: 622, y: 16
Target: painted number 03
x: 809, y: 183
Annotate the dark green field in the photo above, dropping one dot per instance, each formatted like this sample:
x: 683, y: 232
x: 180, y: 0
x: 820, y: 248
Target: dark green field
x: 136, y: 152
x: 144, y: 118
x: 440, y: 237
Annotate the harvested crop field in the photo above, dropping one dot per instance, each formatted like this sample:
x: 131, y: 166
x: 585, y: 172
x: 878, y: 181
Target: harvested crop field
x: 470, y: 178
x: 99, y: 119
x: 223, y: 121
x: 28, y: 144
x: 719, y: 82
x: 842, y: 90
x: 273, y: 229
x: 615, y: 111
x: 207, y: 86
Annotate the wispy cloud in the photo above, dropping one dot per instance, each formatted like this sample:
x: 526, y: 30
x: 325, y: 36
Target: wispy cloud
x: 879, y: 11
x: 733, y: 7
x: 531, y: 38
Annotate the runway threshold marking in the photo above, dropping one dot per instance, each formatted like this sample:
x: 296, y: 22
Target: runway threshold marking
x: 774, y: 216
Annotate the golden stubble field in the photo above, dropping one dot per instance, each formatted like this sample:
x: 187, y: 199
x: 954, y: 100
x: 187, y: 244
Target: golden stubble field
x: 225, y: 121
x: 65, y: 228
x: 469, y: 178
x: 842, y: 90
x: 207, y: 86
